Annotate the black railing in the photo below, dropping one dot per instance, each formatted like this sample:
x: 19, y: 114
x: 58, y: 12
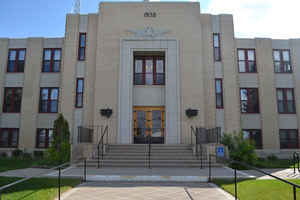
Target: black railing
x: 198, y: 147
x: 104, y: 132
x: 149, y: 150
x: 59, y: 168
x: 295, y: 186
x: 296, y: 160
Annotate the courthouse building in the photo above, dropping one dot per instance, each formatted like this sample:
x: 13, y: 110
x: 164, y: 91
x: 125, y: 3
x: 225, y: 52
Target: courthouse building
x: 158, y: 68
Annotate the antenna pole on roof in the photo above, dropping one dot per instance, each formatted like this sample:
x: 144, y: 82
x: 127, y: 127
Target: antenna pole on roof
x: 76, y: 9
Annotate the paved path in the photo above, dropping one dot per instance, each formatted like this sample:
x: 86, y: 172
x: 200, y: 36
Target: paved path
x: 146, y: 191
x: 281, y: 173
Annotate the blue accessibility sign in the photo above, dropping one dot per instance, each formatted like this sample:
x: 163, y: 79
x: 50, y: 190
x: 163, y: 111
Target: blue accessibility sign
x: 220, y: 152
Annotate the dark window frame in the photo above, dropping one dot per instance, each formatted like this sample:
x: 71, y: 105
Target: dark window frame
x: 48, y: 100
x: 47, y: 138
x: 10, y: 131
x: 246, y: 60
x: 218, y: 49
x: 252, y: 138
x: 288, y: 131
x: 80, y: 58
x: 78, y: 93
x: 51, y: 60
x: 285, y: 101
x: 221, y: 94
x: 13, y: 105
x: 16, y: 60
x: 249, y: 101
x: 282, y: 71
x: 154, y: 74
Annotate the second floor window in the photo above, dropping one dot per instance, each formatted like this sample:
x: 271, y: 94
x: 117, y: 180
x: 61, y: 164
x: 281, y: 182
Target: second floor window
x: 44, y: 137
x: 217, y: 47
x: 49, y: 100
x: 9, y: 137
x: 219, y: 93
x: 52, y: 60
x: 79, y: 93
x: 82, y: 46
x: 255, y: 137
x: 246, y: 60
x: 285, y: 100
x: 12, y: 100
x: 282, y: 61
x: 149, y: 70
x: 249, y: 100
x: 16, y: 60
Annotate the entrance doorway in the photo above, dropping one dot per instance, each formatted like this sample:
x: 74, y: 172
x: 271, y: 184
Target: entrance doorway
x: 149, y: 121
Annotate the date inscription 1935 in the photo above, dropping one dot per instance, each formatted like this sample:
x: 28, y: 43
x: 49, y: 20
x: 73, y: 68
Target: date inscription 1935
x: 150, y: 14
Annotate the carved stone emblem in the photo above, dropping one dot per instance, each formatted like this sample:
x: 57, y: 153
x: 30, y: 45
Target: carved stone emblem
x: 148, y: 32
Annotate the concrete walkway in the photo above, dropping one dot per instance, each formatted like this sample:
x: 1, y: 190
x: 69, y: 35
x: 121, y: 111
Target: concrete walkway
x: 146, y: 191
x: 281, y: 173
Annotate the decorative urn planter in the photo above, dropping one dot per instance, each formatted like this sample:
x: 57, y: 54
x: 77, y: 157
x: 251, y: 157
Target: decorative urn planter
x: 106, y: 112
x: 191, y: 112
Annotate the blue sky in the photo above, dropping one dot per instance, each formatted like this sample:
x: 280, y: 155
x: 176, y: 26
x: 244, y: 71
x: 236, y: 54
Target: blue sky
x: 252, y: 18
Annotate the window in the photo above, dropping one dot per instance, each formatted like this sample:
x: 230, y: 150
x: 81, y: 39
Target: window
x: 285, y: 100
x: 249, y: 100
x: 49, y: 100
x: 51, y: 60
x: 246, y: 60
x: 282, y: 61
x: 44, y: 137
x: 9, y: 137
x: 289, y: 139
x: 219, y: 93
x: 12, y: 100
x: 255, y: 137
x: 16, y: 60
x: 217, y: 47
x: 79, y: 92
x: 149, y: 70
x: 82, y: 45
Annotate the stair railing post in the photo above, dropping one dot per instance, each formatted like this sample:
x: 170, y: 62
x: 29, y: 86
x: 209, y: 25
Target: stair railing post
x: 294, y: 162
x: 209, y: 168
x: 294, y: 192
x: 235, y: 185
x: 59, y: 183
x: 201, y: 156
x: 98, y: 155
x: 0, y: 195
x: 84, y: 170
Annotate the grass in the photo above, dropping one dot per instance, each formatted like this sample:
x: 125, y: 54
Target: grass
x: 252, y: 189
x: 15, y: 163
x: 36, y: 189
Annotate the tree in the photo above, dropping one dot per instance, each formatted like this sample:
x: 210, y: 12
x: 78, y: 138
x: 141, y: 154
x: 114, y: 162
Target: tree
x: 60, y: 149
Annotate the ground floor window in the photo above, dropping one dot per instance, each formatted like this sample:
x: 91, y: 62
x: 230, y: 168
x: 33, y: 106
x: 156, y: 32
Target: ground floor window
x: 255, y: 137
x: 289, y: 139
x: 9, y: 137
x: 44, y: 137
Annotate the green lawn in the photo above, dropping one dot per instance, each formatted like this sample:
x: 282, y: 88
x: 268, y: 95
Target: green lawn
x: 35, y: 189
x: 15, y: 163
x: 260, y: 189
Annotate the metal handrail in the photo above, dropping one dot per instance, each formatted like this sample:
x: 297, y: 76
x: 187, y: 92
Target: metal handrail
x: 254, y: 168
x: 149, y: 150
x: 100, y: 143
x: 194, y: 132
x: 296, y: 159
x: 59, y: 167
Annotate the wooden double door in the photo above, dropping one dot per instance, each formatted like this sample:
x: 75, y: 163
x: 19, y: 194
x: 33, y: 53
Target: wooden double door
x: 149, y: 123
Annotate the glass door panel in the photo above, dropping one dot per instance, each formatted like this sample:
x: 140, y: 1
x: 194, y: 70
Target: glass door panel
x: 149, y: 71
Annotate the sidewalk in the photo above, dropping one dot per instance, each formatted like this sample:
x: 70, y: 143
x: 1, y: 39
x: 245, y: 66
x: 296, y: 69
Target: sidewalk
x: 146, y: 191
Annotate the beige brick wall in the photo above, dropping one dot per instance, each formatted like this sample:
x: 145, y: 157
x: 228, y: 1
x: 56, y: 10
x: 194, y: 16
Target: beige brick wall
x: 3, y: 66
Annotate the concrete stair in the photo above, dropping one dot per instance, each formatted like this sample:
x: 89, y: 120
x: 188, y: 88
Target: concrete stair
x: 136, y: 155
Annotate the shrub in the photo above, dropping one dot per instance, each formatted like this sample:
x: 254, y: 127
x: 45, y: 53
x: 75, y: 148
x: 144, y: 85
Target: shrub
x: 3, y: 155
x: 38, y: 154
x: 272, y: 157
x: 60, y: 149
x: 240, y: 149
x: 17, y: 153
x: 27, y: 156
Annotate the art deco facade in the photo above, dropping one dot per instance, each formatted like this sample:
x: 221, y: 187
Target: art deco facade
x: 149, y: 62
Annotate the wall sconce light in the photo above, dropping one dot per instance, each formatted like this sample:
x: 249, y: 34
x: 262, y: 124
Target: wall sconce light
x: 106, y: 112
x: 191, y: 112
